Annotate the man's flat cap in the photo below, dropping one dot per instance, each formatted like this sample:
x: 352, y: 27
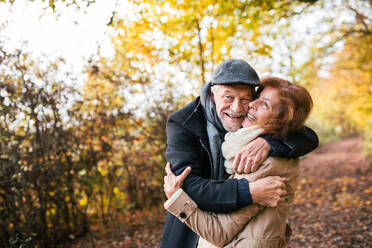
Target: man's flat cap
x: 235, y: 71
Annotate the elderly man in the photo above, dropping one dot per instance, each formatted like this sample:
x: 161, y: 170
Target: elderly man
x: 194, y: 136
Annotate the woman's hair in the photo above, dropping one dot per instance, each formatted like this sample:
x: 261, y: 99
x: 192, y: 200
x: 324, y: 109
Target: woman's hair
x: 294, y: 107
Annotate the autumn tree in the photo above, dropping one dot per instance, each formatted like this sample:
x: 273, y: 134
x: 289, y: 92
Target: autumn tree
x: 191, y: 37
x: 133, y: 169
x: 38, y: 196
x: 347, y: 91
x: 343, y: 96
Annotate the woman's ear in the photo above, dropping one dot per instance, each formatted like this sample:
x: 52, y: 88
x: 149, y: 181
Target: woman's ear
x: 212, y: 95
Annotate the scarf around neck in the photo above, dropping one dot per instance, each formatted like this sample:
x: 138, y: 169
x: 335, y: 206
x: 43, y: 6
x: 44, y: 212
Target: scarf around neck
x: 216, y: 132
x: 234, y: 141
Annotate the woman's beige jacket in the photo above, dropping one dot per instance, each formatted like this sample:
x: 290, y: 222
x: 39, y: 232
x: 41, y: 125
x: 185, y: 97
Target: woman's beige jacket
x: 252, y: 226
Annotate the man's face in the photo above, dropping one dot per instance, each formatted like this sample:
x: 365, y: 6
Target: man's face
x: 232, y: 103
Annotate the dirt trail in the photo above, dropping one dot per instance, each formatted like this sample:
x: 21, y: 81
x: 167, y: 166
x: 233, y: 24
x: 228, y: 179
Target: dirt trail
x: 333, y: 206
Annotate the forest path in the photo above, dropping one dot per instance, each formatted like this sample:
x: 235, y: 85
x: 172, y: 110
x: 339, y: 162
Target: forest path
x: 333, y: 205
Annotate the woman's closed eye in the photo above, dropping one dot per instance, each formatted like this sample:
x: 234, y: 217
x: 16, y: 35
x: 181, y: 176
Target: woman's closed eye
x: 265, y: 104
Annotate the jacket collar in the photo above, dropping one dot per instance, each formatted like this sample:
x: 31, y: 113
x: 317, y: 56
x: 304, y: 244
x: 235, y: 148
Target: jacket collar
x: 196, y: 122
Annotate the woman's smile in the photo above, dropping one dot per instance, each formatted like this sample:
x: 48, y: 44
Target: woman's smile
x: 251, y: 117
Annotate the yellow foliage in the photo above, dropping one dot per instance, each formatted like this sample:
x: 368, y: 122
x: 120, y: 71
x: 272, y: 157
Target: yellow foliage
x: 155, y: 182
x: 19, y: 131
x: 368, y: 191
x: 347, y: 199
x: 102, y: 168
x: 84, y: 201
x: 82, y: 172
x: 344, y: 100
x: 199, y: 33
x: 51, y: 211
x: 26, y: 142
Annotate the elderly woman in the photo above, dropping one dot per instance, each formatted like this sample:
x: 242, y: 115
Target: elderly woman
x: 280, y: 108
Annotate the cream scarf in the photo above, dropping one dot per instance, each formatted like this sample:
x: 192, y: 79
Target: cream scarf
x: 234, y: 141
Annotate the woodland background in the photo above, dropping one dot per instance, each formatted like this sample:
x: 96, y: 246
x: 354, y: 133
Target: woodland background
x: 82, y: 165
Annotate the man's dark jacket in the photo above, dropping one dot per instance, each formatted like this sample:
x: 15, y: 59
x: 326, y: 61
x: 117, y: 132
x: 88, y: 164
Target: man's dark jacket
x: 188, y: 145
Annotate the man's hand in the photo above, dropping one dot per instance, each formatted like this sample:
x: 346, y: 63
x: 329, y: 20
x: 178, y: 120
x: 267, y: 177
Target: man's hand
x: 268, y: 191
x: 251, y: 156
x: 172, y: 182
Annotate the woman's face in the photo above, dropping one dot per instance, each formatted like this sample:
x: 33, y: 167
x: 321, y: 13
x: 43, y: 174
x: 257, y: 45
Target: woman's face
x: 262, y: 109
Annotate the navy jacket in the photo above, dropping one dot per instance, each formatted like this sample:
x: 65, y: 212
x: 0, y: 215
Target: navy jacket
x: 188, y: 145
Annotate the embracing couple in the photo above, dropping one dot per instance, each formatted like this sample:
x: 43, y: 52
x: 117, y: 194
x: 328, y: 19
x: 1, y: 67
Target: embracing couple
x: 233, y: 161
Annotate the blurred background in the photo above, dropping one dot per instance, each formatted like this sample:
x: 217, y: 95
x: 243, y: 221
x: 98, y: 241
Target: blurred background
x: 86, y: 88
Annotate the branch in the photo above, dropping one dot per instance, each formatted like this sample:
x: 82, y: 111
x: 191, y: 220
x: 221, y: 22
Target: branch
x: 200, y: 51
x: 360, y: 17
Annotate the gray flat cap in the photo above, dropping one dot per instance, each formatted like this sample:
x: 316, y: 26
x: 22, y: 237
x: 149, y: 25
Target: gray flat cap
x: 235, y: 71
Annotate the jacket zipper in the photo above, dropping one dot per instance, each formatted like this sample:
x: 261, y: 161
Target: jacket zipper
x: 209, y: 156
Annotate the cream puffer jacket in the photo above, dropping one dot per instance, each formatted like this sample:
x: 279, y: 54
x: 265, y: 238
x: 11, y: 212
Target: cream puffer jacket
x: 252, y: 226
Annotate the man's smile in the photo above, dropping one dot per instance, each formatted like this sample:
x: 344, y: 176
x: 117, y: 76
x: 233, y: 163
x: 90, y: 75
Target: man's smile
x: 234, y: 116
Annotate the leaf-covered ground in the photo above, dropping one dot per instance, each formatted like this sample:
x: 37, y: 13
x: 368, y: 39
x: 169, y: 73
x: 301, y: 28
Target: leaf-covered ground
x: 333, y: 206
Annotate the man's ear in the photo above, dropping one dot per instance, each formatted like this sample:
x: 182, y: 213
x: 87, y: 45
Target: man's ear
x: 212, y: 95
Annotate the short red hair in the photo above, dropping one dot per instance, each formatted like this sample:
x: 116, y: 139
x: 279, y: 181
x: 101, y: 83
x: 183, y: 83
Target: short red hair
x: 294, y: 107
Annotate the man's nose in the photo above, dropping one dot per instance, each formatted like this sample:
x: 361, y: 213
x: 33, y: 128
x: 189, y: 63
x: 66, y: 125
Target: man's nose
x: 237, y: 106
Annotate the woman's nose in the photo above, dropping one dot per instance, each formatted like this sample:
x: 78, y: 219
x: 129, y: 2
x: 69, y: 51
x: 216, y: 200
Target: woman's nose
x: 252, y: 104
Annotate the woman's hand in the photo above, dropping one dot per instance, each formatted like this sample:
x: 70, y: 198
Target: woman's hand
x: 172, y: 182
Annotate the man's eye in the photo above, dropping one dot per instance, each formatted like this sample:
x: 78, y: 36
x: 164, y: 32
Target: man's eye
x: 229, y: 97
